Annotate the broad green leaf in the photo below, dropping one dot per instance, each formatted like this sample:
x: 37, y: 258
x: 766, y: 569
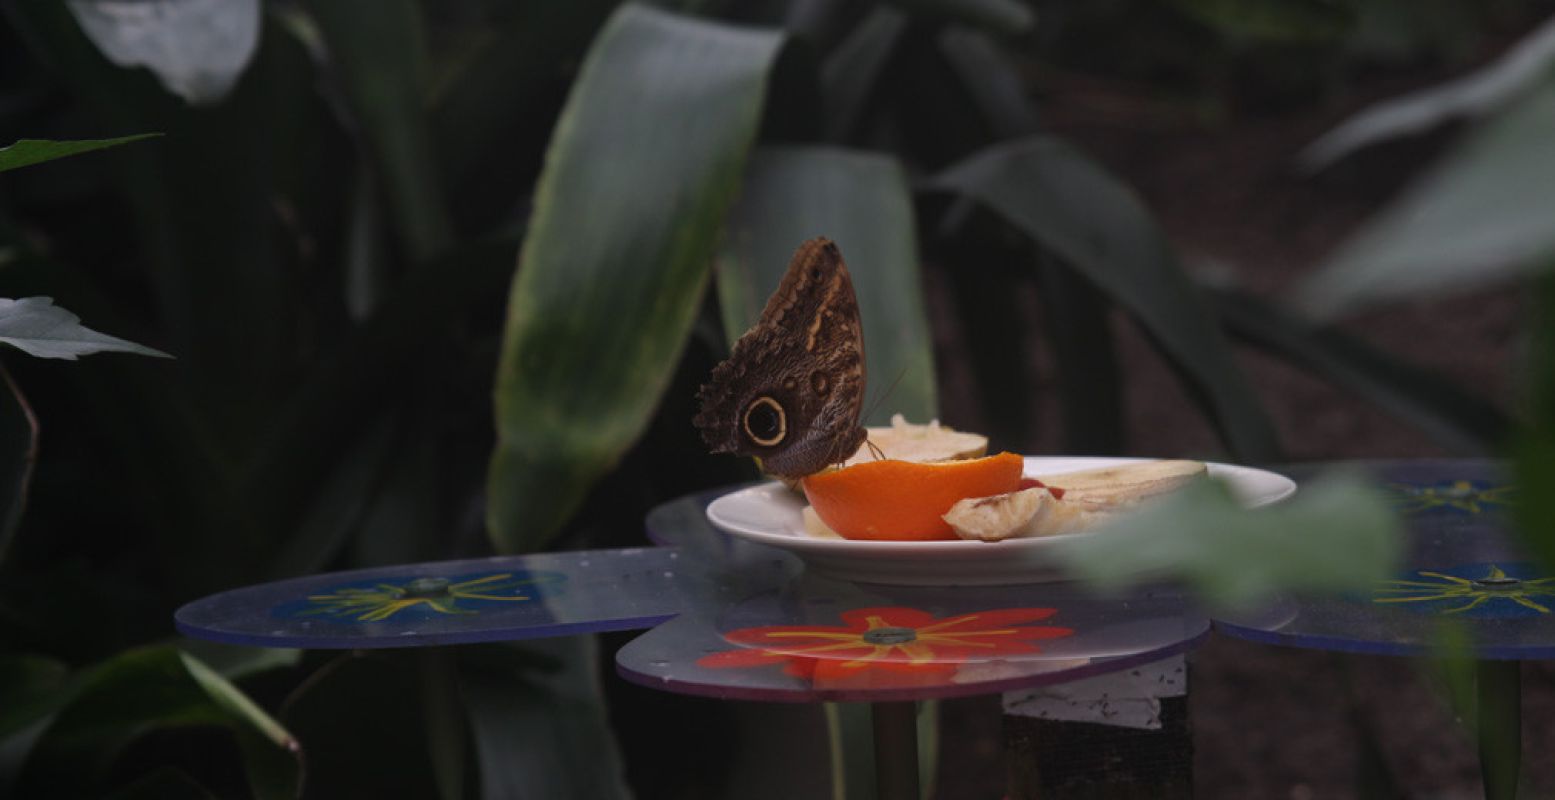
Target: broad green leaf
x: 362, y: 728
x: 991, y: 79
x: 197, y: 48
x: 1479, y: 216
x: 37, y: 327
x: 32, y: 688
x: 499, y: 98
x: 1089, y: 382
x: 850, y: 72
x: 1338, y: 533
x: 377, y: 48
x: 1092, y: 223
x: 232, y: 700
x: 997, y: 16
x: 641, y: 168
x: 861, y: 202
x: 115, y: 702
x: 1522, y: 68
x: 1455, y: 418
x: 541, y: 732
x: 26, y: 152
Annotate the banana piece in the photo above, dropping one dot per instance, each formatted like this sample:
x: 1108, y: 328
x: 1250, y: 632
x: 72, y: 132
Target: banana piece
x: 1026, y: 513
x: 1126, y: 484
x: 1073, y: 501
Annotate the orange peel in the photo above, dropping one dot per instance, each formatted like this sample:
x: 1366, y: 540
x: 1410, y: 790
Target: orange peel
x: 906, y: 500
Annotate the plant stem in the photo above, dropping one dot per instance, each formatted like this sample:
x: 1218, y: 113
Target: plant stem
x: 13, y: 515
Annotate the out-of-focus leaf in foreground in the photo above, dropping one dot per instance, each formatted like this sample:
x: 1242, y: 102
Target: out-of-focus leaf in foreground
x: 37, y: 327
x: 196, y: 48
x: 26, y: 152
x: 1480, y: 216
x: 860, y: 201
x: 642, y: 167
x: 1338, y: 533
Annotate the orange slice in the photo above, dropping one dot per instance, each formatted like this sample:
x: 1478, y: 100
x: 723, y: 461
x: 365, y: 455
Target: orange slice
x: 905, y: 500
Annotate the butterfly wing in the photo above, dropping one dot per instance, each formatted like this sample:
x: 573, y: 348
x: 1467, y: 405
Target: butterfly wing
x: 792, y: 390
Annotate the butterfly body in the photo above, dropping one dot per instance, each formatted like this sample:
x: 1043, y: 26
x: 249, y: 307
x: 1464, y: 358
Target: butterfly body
x: 791, y: 392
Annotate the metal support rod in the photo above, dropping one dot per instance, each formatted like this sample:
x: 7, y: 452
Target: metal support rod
x: 1498, y: 691
x: 896, y: 750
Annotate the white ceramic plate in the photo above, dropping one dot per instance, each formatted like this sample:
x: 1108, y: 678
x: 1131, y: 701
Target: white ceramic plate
x: 770, y: 514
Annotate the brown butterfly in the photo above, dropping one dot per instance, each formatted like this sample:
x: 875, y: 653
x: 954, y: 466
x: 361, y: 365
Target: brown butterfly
x: 791, y: 392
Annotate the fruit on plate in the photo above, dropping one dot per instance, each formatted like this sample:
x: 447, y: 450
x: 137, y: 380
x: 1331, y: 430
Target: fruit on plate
x: 1028, y: 512
x: 905, y: 500
x: 905, y: 441
x: 1126, y: 484
x: 1069, y: 502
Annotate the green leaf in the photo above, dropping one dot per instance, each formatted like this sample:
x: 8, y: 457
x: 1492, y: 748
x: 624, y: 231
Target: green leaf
x: 379, y: 50
x: 501, y: 87
x: 1089, y: 381
x: 860, y: 201
x: 639, y: 173
x: 1094, y: 224
x: 1456, y: 419
x: 992, y: 80
x: 851, y: 71
x: 1337, y: 533
x: 1477, y: 217
x: 362, y: 728
x: 32, y: 688
x: 37, y: 327
x: 1522, y: 68
x: 197, y: 48
x: 232, y: 700
x: 113, y: 703
x: 541, y: 732
x: 26, y: 152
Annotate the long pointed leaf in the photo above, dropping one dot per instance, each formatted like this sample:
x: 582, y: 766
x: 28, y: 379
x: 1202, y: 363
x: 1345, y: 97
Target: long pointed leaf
x: 26, y: 152
x: 852, y: 70
x: 1453, y: 417
x: 39, y: 328
x: 541, y: 732
x: 1480, y: 216
x: 640, y: 171
x: 1480, y: 92
x: 379, y: 51
x: 1095, y: 225
x: 861, y: 202
x: 140, y: 690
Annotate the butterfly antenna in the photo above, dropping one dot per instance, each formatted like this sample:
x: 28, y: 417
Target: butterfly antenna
x: 869, y: 412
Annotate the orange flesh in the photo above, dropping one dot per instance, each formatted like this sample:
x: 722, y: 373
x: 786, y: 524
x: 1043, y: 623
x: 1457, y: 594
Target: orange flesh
x: 905, y: 500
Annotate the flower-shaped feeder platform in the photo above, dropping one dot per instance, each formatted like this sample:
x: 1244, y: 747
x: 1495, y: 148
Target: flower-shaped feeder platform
x: 729, y: 619
x: 1462, y: 566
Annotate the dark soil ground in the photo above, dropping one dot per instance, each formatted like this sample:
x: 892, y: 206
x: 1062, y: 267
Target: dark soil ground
x: 1274, y: 722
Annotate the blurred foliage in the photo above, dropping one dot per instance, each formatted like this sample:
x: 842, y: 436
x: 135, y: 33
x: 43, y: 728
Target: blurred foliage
x: 327, y: 231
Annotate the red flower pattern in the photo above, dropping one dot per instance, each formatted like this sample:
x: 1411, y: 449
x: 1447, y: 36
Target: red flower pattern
x: 908, y: 644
